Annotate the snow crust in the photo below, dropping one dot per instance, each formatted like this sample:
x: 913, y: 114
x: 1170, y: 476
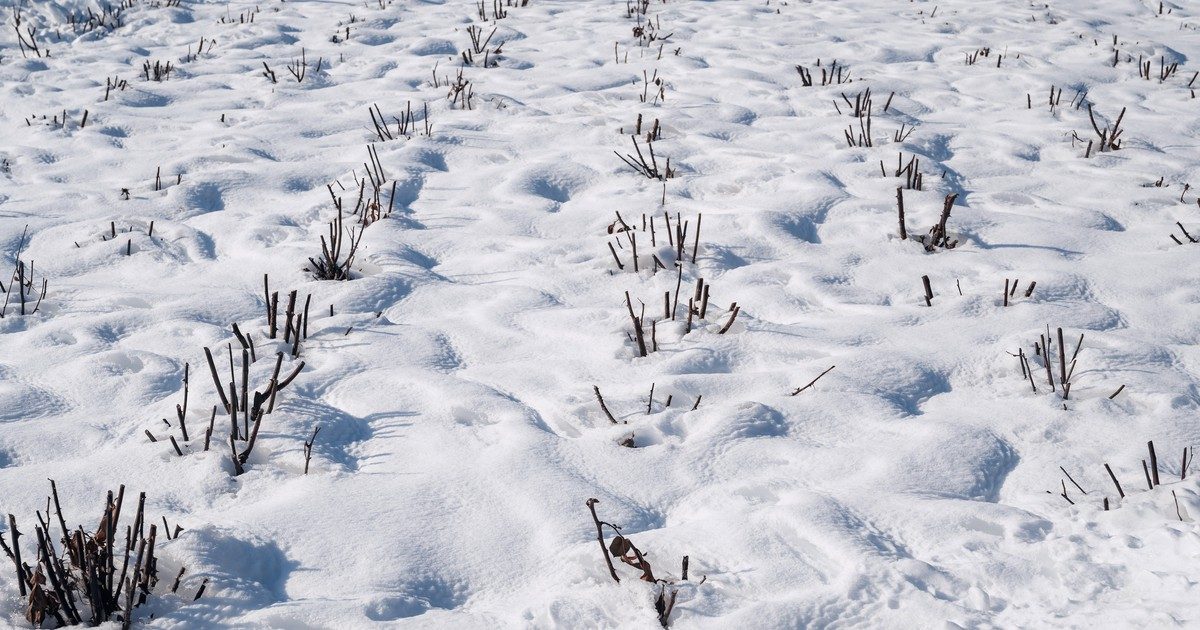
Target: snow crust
x: 916, y: 485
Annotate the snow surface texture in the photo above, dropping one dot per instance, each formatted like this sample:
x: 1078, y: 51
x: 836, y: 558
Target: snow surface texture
x: 915, y: 485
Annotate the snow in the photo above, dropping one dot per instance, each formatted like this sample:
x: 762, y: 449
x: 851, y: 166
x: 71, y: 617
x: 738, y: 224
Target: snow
x: 917, y: 484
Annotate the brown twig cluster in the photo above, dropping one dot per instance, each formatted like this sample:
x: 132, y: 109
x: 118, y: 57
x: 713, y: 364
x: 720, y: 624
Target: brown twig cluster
x: 636, y: 8
x: 647, y: 167
x: 648, y: 31
x: 27, y: 37
x: 684, y: 242
x: 628, y: 439
x: 114, y: 82
x: 106, y: 17
x: 479, y: 46
x: 974, y: 56
x: 245, y: 17
x: 653, y: 133
x: 295, y: 321
x: 498, y: 11
x: 1010, y: 290
x: 1165, y: 70
x: 21, y: 283
x: 1109, y: 136
x: 298, y: 68
x: 200, y: 49
x: 337, y: 253
x: 937, y: 237
x: 660, y: 88
x: 862, y: 108
x: 338, y: 250
x: 56, y: 121
x: 252, y: 406
x: 911, y: 171
x: 369, y: 205
x: 236, y: 398
x: 88, y: 577
x: 1150, y: 469
x: 833, y: 75
x: 623, y: 549
x: 462, y: 92
x: 405, y: 124
x: 697, y: 310
x: 1048, y: 352
x: 159, y: 71
x: 1185, y: 233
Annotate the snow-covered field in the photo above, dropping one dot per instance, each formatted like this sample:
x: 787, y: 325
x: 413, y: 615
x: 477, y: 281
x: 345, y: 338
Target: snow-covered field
x: 918, y: 484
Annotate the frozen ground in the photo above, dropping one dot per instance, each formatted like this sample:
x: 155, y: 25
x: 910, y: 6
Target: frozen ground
x: 460, y: 435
